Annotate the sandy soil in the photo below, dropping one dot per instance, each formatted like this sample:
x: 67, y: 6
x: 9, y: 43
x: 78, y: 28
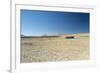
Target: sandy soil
x: 54, y: 49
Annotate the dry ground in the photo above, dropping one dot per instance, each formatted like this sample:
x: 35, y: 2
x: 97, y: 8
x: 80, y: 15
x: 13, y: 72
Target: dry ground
x: 54, y: 49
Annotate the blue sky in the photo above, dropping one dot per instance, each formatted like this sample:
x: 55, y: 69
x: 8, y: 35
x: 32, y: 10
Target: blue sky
x: 36, y: 22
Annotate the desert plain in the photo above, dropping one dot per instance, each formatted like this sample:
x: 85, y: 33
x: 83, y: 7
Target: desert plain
x: 51, y: 49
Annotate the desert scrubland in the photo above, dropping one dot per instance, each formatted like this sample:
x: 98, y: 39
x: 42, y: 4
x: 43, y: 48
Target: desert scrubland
x: 54, y: 49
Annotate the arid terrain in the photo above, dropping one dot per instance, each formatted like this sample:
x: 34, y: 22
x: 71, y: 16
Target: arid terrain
x: 43, y: 49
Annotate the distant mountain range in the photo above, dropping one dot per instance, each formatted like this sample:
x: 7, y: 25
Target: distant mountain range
x: 59, y: 35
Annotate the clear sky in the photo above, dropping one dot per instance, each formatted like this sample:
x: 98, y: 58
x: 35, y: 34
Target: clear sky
x: 35, y: 22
